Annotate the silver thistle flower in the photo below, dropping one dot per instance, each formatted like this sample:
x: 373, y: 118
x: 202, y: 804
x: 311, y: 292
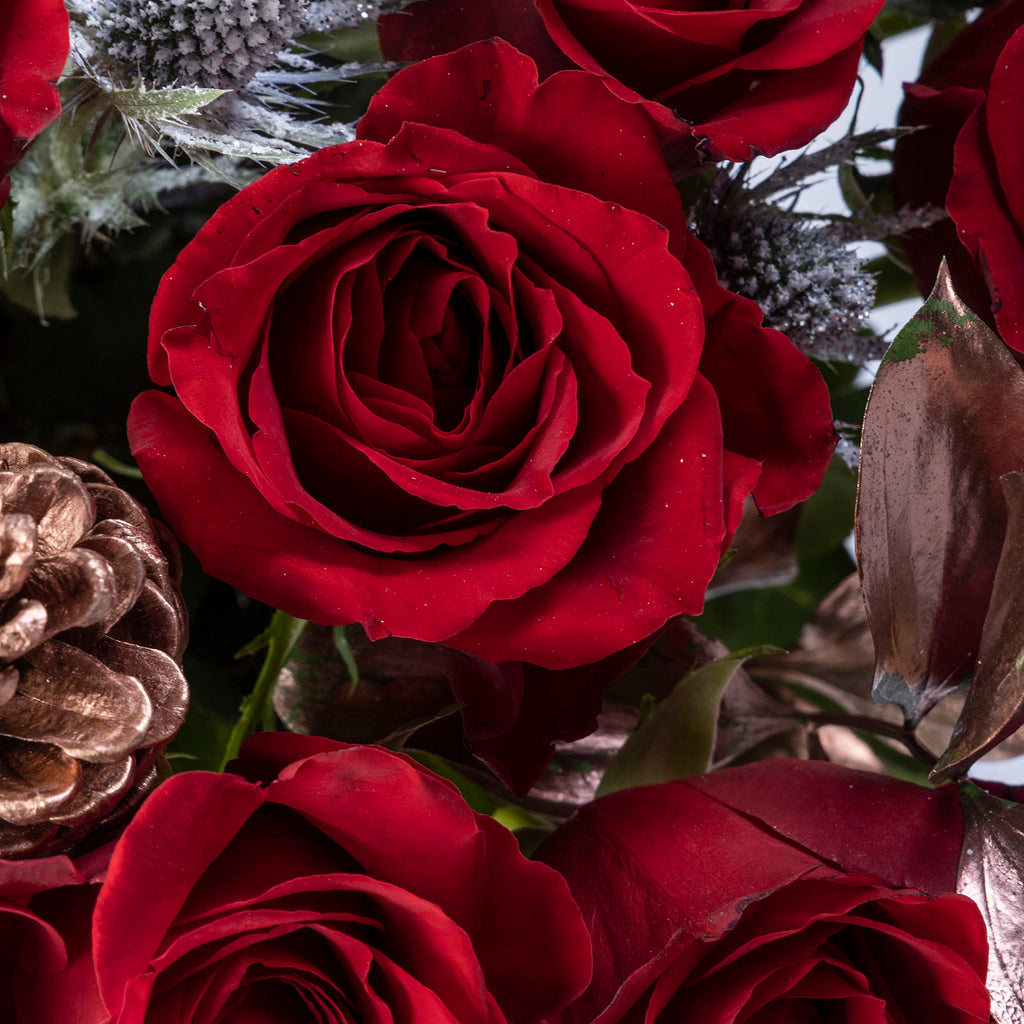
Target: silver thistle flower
x: 209, y: 43
x: 808, y: 283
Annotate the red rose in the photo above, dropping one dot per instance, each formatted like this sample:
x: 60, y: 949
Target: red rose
x: 326, y: 882
x: 444, y: 379
x: 748, y: 78
x: 43, y: 906
x: 782, y: 890
x: 33, y: 50
x: 969, y: 158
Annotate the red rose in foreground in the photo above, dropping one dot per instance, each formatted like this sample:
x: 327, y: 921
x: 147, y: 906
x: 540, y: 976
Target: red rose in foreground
x: 779, y: 891
x: 33, y: 50
x: 970, y: 159
x: 748, y: 78
x: 326, y: 882
x: 470, y: 379
x: 42, y: 902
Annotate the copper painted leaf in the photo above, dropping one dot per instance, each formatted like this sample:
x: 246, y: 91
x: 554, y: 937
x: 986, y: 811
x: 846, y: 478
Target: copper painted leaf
x: 765, y: 552
x: 945, y: 420
x: 991, y: 872
x: 994, y: 706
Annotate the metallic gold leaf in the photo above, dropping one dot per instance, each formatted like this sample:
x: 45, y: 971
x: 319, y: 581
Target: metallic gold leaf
x: 991, y: 872
x: 944, y: 421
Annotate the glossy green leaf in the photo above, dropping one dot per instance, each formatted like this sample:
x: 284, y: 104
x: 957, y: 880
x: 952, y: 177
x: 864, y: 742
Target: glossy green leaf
x: 677, y: 739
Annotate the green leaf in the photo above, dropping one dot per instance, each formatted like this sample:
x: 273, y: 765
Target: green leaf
x: 158, y: 105
x: 340, y: 637
x: 677, y: 739
x: 873, y: 51
x: 894, y: 283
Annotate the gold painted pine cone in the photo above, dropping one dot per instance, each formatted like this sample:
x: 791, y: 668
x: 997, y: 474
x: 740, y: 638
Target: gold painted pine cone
x: 92, y: 628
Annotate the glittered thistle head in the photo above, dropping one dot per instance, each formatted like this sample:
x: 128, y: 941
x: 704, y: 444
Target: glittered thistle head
x: 215, y: 44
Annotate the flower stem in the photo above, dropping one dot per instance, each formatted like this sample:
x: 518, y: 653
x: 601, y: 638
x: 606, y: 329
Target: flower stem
x: 875, y: 725
x: 280, y: 637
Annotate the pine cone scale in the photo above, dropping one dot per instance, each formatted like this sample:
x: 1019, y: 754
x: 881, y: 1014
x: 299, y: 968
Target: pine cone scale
x: 103, y: 785
x: 23, y: 630
x: 17, y: 552
x: 69, y: 698
x: 39, y: 781
x: 58, y: 503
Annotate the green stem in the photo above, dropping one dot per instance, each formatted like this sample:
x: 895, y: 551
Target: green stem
x: 282, y: 635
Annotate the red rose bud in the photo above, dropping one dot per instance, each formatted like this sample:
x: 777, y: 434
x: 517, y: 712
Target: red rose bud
x: 760, y: 79
x: 327, y: 882
x: 33, y: 50
x: 471, y: 379
x: 781, y: 890
x: 969, y: 158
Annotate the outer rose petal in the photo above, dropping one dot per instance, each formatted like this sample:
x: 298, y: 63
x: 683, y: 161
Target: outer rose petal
x: 33, y: 50
x: 316, y: 576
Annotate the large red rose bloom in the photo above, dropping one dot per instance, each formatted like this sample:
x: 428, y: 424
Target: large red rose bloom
x: 779, y: 891
x: 324, y: 882
x: 470, y: 379
x: 33, y: 50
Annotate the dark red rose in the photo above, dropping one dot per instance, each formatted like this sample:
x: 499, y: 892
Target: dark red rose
x: 470, y: 379
x: 779, y: 891
x: 969, y: 157
x: 43, y: 906
x: 324, y: 882
x: 33, y: 50
x: 745, y: 78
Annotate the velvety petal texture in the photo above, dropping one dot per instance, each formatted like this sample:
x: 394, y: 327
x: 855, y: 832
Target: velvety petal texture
x: 40, y: 904
x: 778, y: 891
x: 733, y: 79
x: 33, y: 50
x: 470, y: 379
x: 322, y: 882
x: 968, y: 157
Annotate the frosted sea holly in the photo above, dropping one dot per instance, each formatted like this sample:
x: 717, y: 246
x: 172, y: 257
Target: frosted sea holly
x: 218, y: 76
x: 809, y: 284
